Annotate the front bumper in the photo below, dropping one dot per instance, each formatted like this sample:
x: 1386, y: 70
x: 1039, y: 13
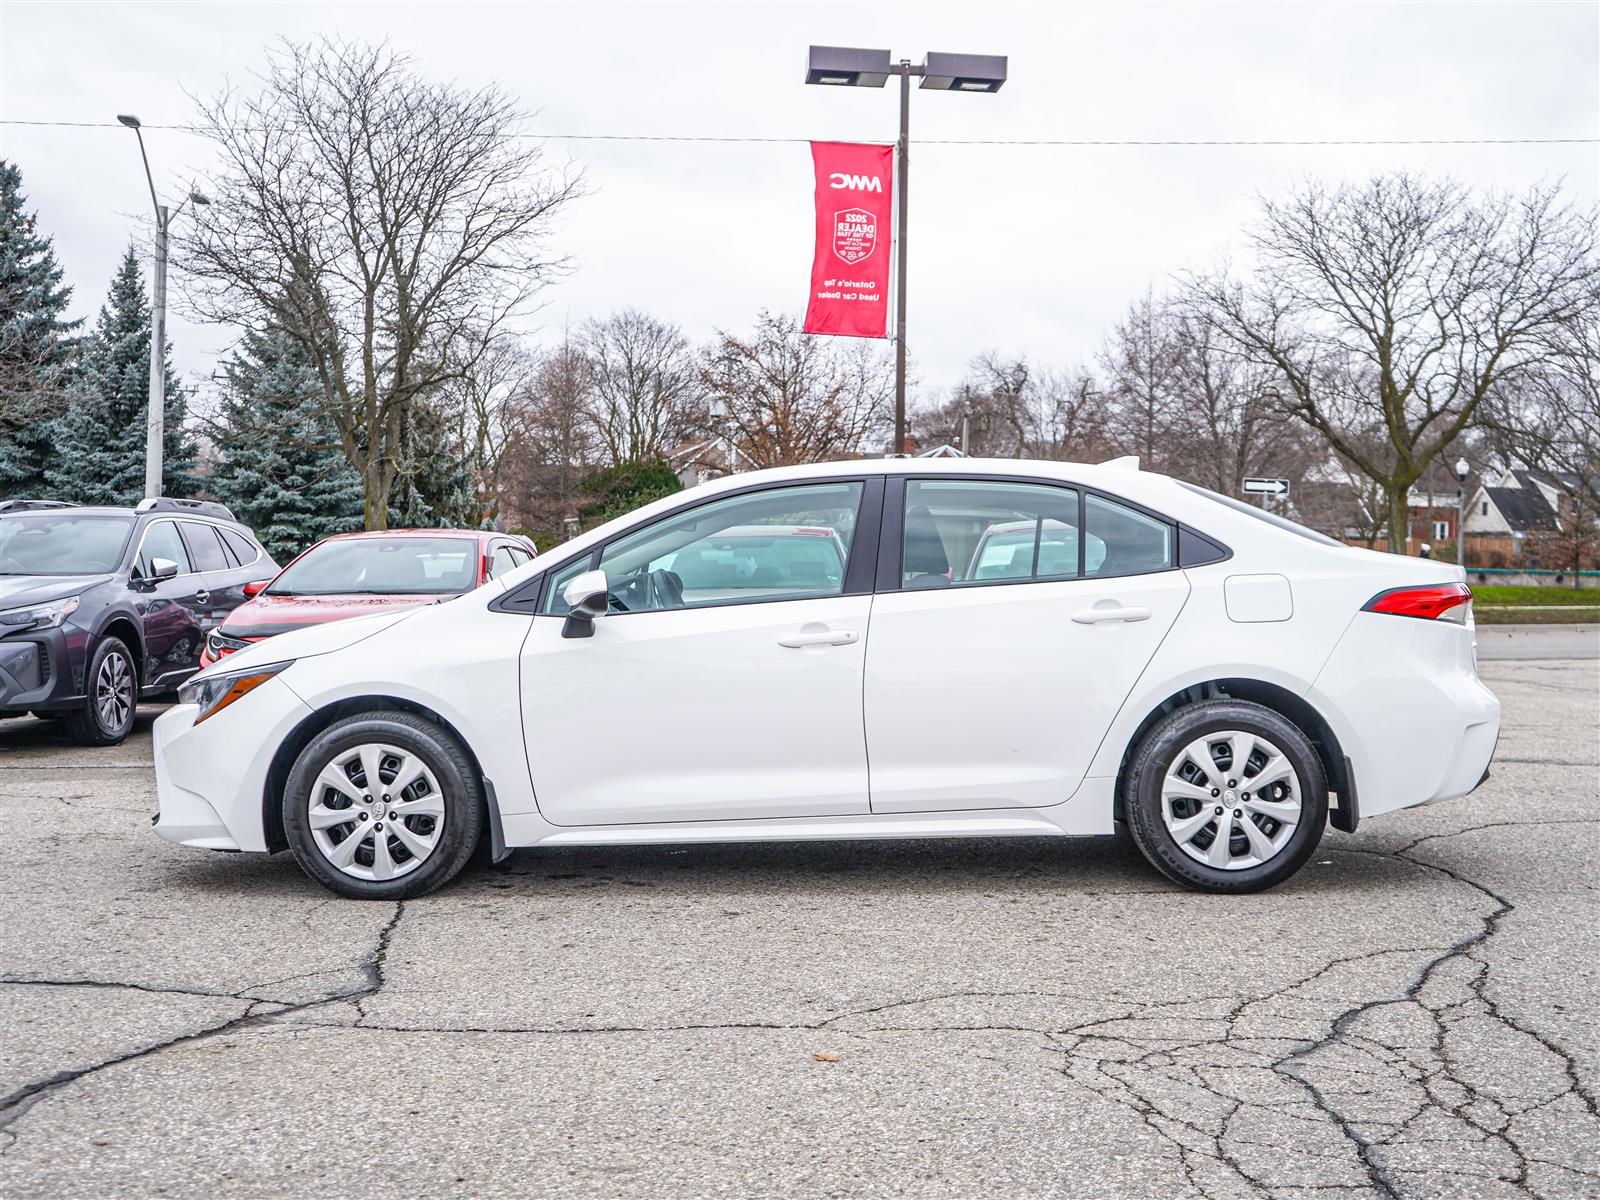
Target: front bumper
x: 42, y: 669
x: 211, y: 778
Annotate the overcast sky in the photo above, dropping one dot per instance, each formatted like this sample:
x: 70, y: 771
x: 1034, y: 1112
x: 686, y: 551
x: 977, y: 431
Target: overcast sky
x: 1024, y: 249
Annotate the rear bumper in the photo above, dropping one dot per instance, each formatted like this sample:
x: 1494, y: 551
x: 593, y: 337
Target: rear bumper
x: 1404, y: 698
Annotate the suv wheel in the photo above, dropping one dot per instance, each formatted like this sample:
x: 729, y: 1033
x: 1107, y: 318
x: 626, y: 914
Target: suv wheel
x: 1226, y: 796
x: 107, y: 715
x: 383, y: 806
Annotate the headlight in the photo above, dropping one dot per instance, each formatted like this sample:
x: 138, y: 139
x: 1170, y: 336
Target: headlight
x: 213, y: 693
x: 220, y: 644
x: 40, y: 616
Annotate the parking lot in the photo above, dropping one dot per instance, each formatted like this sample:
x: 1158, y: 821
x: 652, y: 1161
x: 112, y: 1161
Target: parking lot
x: 1413, y: 1015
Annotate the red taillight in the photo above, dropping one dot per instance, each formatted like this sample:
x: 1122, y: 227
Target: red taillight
x: 1435, y: 602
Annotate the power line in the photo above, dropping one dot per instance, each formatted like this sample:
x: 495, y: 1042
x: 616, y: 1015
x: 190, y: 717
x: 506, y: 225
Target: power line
x: 641, y: 137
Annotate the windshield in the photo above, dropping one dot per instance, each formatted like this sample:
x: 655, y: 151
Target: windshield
x: 399, y: 566
x: 1282, y: 523
x: 62, y: 543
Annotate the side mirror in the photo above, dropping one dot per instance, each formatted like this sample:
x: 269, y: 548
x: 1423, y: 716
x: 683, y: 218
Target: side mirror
x: 587, y: 597
x: 253, y: 588
x: 160, y: 569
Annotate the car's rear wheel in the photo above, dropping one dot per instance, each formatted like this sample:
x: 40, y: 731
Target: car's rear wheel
x: 1226, y: 796
x: 113, y: 685
x: 383, y: 806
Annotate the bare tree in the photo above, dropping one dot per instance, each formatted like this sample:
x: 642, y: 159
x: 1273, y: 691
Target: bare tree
x: 1188, y: 403
x: 1402, y: 304
x: 389, y: 225
x: 788, y: 397
x: 489, y: 398
x: 1013, y: 409
x: 1145, y: 367
x: 643, y: 377
x: 551, y: 442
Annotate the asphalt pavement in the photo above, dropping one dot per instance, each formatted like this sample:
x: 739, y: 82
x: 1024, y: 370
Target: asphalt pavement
x: 1414, y: 1015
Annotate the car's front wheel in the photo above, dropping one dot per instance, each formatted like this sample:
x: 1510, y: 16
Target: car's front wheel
x: 383, y: 806
x: 1226, y: 796
x: 113, y: 685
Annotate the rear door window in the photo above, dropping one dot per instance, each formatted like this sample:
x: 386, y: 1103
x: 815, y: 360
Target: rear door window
x: 970, y: 531
x: 205, y: 547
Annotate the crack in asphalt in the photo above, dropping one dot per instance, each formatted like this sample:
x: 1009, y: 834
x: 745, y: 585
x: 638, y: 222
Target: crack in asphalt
x: 20, y: 1100
x: 1204, y: 1093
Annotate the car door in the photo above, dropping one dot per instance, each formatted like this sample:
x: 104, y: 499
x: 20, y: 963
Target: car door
x: 169, y: 609
x: 222, y: 583
x: 1011, y: 622
x: 725, y: 682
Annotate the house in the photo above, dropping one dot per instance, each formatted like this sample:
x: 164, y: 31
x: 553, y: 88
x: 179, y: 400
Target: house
x: 1520, y: 502
x: 701, y: 461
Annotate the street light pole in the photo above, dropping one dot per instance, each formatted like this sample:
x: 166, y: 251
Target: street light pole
x: 843, y: 66
x: 1462, y: 471
x: 156, y: 416
x: 902, y: 207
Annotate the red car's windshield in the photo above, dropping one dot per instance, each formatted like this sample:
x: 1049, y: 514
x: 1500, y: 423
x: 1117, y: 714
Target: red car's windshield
x: 400, y: 566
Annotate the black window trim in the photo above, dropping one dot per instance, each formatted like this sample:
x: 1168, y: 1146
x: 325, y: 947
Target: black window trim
x: 889, y: 543
x: 529, y: 598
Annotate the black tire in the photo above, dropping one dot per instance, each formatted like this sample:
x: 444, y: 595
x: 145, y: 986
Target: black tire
x: 459, y: 786
x: 1155, y: 755
x: 96, y: 724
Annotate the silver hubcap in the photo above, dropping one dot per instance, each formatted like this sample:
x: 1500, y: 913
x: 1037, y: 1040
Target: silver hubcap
x: 376, y: 811
x: 1231, y: 800
x: 113, y: 691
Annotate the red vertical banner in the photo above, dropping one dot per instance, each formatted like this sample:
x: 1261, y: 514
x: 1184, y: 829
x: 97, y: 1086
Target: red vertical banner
x: 850, y: 262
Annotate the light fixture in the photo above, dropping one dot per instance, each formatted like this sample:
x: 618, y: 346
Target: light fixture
x: 964, y: 72
x: 131, y: 122
x: 199, y: 198
x: 1462, y: 469
x: 847, y: 66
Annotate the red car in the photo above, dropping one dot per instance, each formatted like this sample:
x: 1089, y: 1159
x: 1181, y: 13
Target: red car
x: 353, y: 574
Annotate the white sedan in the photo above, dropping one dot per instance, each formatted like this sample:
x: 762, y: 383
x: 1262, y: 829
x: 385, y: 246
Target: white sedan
x: 1219, y: 682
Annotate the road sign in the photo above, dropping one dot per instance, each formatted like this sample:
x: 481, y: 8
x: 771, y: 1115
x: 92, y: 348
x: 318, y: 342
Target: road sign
x: 1267, y: 487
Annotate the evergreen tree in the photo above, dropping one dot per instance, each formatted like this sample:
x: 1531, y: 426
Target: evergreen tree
x: 100, y: 438
x: 36, y: 341
x: 280, y: 469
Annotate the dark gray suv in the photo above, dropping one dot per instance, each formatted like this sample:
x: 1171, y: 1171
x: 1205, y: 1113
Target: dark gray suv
x: 101, y: 607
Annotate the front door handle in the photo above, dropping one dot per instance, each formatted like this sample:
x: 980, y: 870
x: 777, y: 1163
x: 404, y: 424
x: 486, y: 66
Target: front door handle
x: 202, y: 597
x: 825, y: 637
x: 1095, y: 615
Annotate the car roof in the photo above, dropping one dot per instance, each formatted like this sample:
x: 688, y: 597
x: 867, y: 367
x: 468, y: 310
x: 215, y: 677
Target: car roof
x: 369, y: 534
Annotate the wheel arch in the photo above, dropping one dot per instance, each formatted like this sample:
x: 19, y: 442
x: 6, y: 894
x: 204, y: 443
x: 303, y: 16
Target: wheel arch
x: 319, y: 719
x: 1281, y: 700
x: 122, y: 625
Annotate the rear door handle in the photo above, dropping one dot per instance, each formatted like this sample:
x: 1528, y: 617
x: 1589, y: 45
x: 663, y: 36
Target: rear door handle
x: 826, y: 637
x: 1094, y: 616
